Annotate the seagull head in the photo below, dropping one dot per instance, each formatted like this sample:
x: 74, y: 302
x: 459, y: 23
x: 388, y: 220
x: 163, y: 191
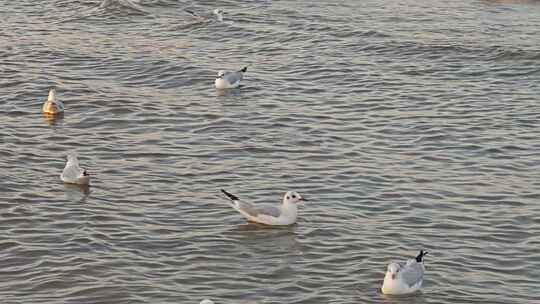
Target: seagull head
x: 220, y: 74
x: 71, y: 156
x: 219, y: 13
x: 292, y: 197
x: 52, y: 94
x: 393, y: 270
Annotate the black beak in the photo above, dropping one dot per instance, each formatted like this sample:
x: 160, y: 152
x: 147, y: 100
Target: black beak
x: 303, y: 199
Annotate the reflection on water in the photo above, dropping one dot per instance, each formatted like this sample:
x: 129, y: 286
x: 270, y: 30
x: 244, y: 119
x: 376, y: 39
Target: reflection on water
x: 76, y: 193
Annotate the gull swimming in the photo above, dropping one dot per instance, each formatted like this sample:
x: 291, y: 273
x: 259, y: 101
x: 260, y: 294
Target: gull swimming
x: 269, y: 215
x: 73, y: 174
x: 219, y: 14
x: 52, y: 105
x: 405, y: 277
x: 229, y: 80
x: 198, y: 18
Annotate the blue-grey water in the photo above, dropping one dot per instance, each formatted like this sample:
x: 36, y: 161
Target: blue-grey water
x: 408, y: 124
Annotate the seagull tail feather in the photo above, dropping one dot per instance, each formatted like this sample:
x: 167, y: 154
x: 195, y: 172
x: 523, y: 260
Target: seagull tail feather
x: 421, y: 255
x: 232, y: 197
x: 191, y: 12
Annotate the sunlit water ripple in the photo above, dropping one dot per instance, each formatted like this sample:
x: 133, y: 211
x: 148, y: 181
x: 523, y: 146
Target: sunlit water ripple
x: 409, y: 124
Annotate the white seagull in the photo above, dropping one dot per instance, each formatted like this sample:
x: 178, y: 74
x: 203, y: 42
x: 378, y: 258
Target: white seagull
x: 269, y: 215
x: 228, y: 80
x: 219, y: 14
x: 207, y: 301
x: 405, y: 277
x: 73, y: 174
x: 52, y: 105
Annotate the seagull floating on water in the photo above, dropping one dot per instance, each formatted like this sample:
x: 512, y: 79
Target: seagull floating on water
x: 73, y: 174
x: 405, y: 277
x: 52, y: 105
x: 207, y: 301
x: 218, y: 12
x: 269, y: 215
x: 229, y: 80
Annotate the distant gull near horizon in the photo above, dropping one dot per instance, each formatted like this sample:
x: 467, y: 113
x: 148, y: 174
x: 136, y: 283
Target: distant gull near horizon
x: 217, y: 12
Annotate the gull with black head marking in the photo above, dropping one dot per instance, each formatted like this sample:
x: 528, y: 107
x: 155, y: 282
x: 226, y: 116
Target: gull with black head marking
x: 229, y: 80
x: 404, y: 277
x: 282, y: 215
x: 73, y: 174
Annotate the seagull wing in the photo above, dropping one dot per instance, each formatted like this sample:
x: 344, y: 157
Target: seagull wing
x: 268, y: 211
x: 246, y: 207
x: 412, y: 273
x: 250, y: 209
x: 233, y: 78
x: 242, y: 207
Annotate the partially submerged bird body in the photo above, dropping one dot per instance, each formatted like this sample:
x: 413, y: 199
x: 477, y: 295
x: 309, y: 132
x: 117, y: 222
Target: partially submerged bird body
x: 73, y: 174
x: 229, y: 80
x: 285, y: 214
x: 404, y: 277
x: 52, y: 106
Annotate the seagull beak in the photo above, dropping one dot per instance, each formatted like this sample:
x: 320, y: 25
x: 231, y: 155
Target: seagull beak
x: 303, y: 199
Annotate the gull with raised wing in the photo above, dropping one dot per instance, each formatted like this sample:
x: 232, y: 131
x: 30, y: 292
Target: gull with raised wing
x: 53, y: 106
x: 269, y: 215
x: 229, y: 80
x: 404, y: 277
x: 73, y: 174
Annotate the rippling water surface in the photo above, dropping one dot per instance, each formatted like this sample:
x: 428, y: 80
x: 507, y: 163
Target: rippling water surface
x: 409, y: 124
